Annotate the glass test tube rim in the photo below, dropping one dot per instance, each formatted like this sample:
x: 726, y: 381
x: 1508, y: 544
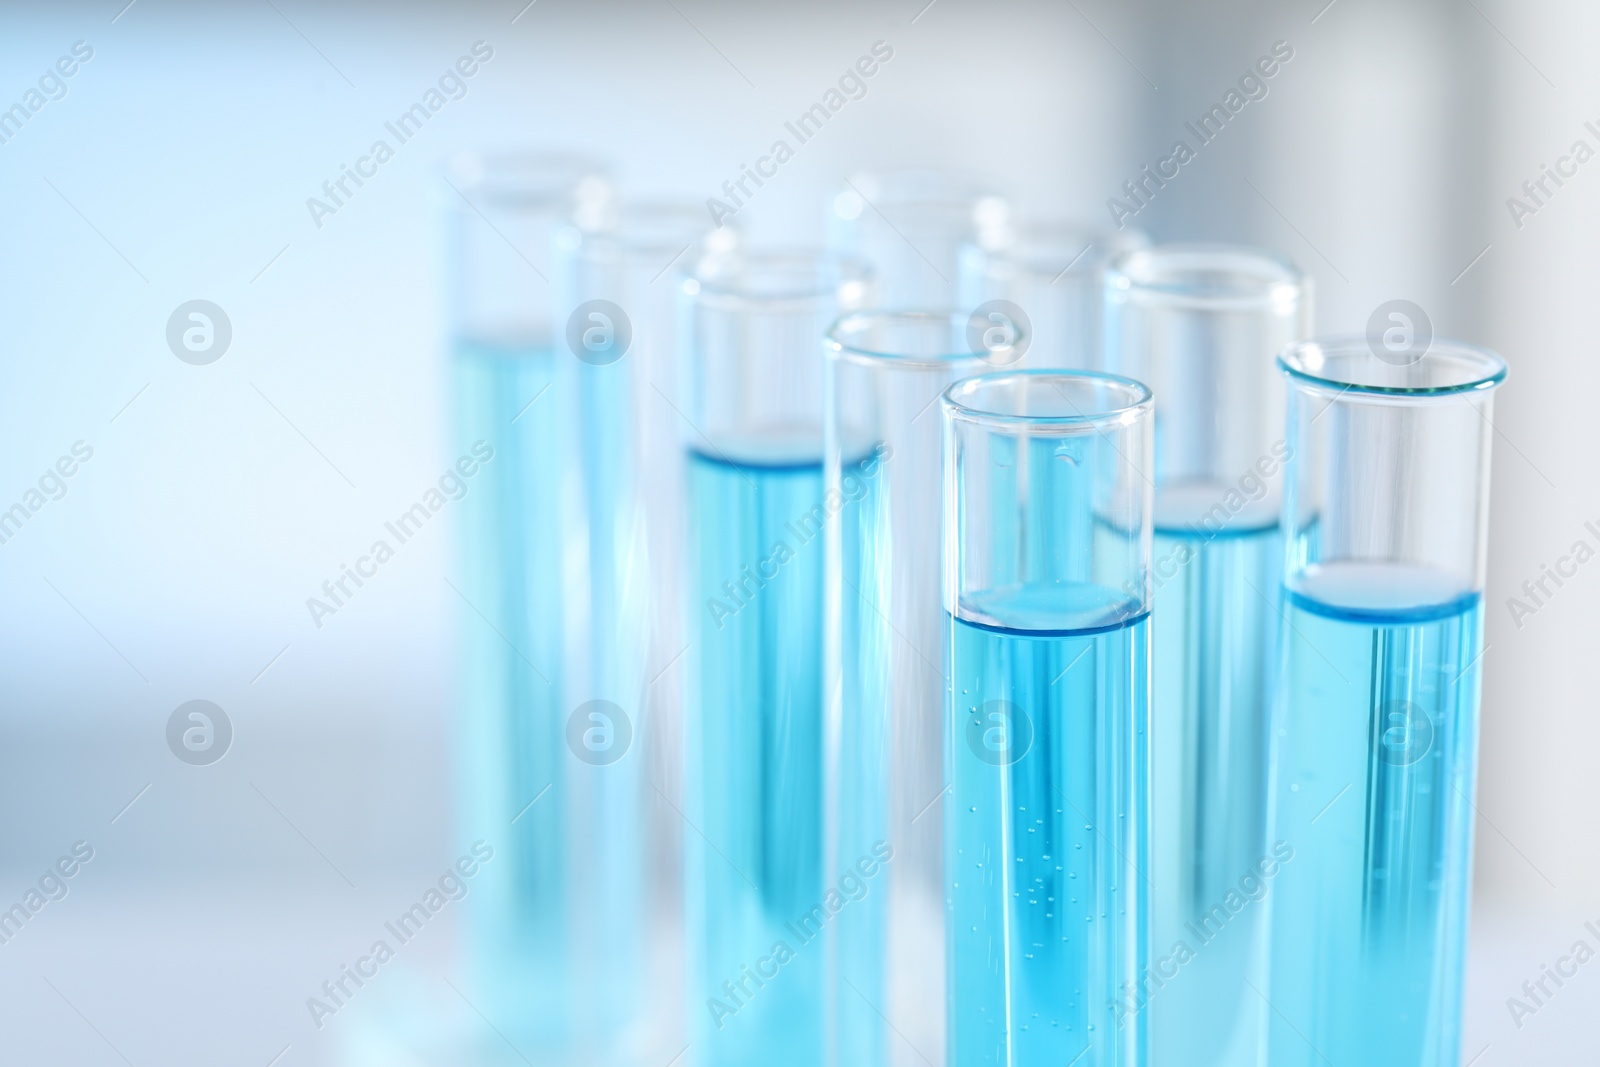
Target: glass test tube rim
x: 839, y: 347
x: 533, y: 194
x: 1137, y: 402
x: 729, y: 289
x: 1300, y: 363
x: 1256, y: 277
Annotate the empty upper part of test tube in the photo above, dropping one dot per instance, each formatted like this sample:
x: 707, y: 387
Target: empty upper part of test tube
x: 1047, y: 486
x: 911, y: 226
x: 616, y: 306
x: 635, y: 258
x: 506, y: 211
x: 1201, y: 326
x: 1388, y: 486
x: 753, y: 328
x: 1051, y: 274
x: 883, y: 360
x: 639, y: 244
x: 886, y: 372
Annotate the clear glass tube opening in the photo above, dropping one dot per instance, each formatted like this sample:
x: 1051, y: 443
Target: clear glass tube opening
x: 1391, y: 468
x: 886, y: 371
x: 1046, y: 532
x: 1047, y: 474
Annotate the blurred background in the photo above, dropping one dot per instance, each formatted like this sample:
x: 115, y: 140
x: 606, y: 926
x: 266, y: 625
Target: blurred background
x: 174, y: 564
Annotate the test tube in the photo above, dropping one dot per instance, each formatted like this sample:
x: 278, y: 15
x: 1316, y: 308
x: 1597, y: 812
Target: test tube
x: 1051, y: 275
x: 512, y: 750
x: 886, y: 370
x: 1047, y: 508
x: 1201, y: 325
x: 616, y: 303
x: 756, y: 898
x: 1375, y: 732
x: 912, y: 225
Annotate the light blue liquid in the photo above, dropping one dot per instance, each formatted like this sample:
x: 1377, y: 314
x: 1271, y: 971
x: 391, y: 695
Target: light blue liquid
x: 754, y: 862
x: 1043, y: 857
x: 511, y: 745
x: 1214, y: 633
x: 1376, y: 749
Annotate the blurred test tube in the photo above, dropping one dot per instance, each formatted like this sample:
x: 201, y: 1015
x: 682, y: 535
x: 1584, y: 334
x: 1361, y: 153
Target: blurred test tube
x: 622, y: 507
x: 754, y: 863
x: 513, y: 760
x: 1051, y: 276
x: 1201, y: 324
x: 886, y: 370
x: 911, y: 226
